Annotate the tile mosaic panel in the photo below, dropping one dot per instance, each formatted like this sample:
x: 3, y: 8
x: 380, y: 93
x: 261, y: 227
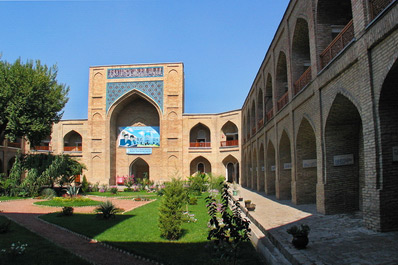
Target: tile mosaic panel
x: 153, y: 89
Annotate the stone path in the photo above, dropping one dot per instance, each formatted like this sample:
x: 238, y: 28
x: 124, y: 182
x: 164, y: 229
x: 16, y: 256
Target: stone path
x: 334, y: 239
x: 25, y: 213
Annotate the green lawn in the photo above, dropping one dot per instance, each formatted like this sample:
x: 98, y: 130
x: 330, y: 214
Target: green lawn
x: 6, y: 198
x: 122, y: 194
x: 137, y: 232
x: 39, y: 250
x: 64, y: 202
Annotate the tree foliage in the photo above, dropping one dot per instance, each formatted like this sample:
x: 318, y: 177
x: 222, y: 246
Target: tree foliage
x: 170, y: 210
x: 31, y: 100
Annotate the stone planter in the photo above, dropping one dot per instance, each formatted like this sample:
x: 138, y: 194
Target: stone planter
x: 251, y: 207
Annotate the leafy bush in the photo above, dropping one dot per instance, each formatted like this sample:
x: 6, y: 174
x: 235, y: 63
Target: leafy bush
x: 107, y: 210
x: 85, y: 184
x: 198, y: 183
x: 48, y: 193
x: 16, y: 249
x: 5, y: 226
x: 129, y: 181
x: 113, y: 190
x: 66, y: 211
x: 193, y: 201
x: 216, y: 182
x: 170, y: 210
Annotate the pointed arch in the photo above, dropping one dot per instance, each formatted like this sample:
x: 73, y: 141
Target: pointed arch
x: 232, y: 168
x: 282, y: 87
x: 270, y: 178
x: 284, y: 183
x: 260, y: 109
x: 268, y: 98
x: 73, y: 142
x: 200, y: 164
x: 229, y: 134
x: 139, y: 168
x: 261, y: 169
x: 200, y: 136
x: 344, y: 159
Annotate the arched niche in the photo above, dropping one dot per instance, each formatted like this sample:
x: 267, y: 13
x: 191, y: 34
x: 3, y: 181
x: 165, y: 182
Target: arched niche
x: 200, y: 164
x: 199, y: 136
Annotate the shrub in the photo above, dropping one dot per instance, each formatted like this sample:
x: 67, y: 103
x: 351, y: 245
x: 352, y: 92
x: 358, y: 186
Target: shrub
x: 113, y: 190
x: 107, y: 210
x: 48, y: 193
x: 198, y: 183
x: 193, y: 201
x: 66, y: 211
x: 5, y: 226
x: 216, y: 182
x: 72, y: 191
x: 127, y: 189
x: 170, y: 210
x: 129, y: 181
x: 16, y: 249
x: 85, y: 184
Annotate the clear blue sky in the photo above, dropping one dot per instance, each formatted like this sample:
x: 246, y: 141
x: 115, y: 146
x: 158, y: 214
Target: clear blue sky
x: 221, y: 43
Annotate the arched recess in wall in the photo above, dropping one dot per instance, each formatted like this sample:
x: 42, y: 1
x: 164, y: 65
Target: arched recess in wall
x: 260, y: 109
x: 247, y: 125
x: 231, y: 165
x: 253, y: 118
x: 140, y: 169
x: 173, y: 78
x: 254, y: 182
x: 200, y: 164
x: 270, y: 176
x: 388, y: 106
x: 73, y: 142
x: 334, y: 21
x: 306, y: 164
x: 172, y: 167
x: 344, y: 160
x: 98, y: 82
x: 97, y: 169
x: 261, y: 169
x: 199, y: 136
x: 284, y: 191
x: 249, y: 167
x: 172, y: 125
x: 268, y: 99
x: 301, y: 60
x: 229, y: 134
x: 96, y: 132
x: 281, y: 88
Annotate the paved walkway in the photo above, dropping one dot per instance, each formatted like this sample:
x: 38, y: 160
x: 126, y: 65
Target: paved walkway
x: 25, y: 213
x: 334, y: 239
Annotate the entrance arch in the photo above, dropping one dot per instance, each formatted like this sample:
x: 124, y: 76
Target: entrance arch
x: 270, y: 169
x: 231, y: 168
x: 139, y: 168
x: 200, y: 164
x: 284, y: 184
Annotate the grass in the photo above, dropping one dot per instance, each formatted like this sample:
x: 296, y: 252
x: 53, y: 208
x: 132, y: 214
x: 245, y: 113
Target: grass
x: 137, y: 232
x: 74, y: 202
x: 39, y: 250
x: 122, y: 194
x: 7, y: 198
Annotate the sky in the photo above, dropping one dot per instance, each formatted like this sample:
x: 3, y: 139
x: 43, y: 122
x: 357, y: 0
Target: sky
x: 221, y: 43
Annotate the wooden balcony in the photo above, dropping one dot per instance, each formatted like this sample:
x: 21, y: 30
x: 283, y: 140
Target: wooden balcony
x: 42, y: 148
x: 200, y: 144
x: 270, y: 114
x: 260, y: 124
x: 304, y: 80
x: 283, y: 101
x: 229, y: 143
x: 376, y: 6
x: 73, y: 149
x: 338, y: 44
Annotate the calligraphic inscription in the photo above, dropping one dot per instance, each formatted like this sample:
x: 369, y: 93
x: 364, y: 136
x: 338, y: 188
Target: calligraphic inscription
x: 139, y: 151
x: 135, y: 72
x: 309, y: 163
x: 287, y: 165
x: 343, y: 160
x: 395, y: 153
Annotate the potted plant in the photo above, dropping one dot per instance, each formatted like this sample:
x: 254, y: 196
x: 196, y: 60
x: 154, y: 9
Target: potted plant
x: 235, y: 189
x: 240, y: 199
x: 251, y: 207
x: 247, y: 203
x: 300, y: 235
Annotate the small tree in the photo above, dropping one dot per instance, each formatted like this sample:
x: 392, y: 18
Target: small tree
x: 170, y: 210
x: 227, y: 229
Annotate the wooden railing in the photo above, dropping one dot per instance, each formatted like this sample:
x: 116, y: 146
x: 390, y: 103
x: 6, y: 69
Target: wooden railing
x: 229, y: 143
x: 270, y: 114
x: 303, y: 80
x: 16, y: 145
x: 260, y: 124
x: 200, y: 144
x: 42, y: 148
x: 73, y: 149
x: 283, y: 100
x: 376, y: 6
x: 338, y: 44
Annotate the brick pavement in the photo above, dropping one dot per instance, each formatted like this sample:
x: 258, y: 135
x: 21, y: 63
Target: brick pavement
x: 334, y: 239
x: 25, y: 213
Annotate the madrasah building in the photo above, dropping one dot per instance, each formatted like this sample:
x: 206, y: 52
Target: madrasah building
x: 319, y: 124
